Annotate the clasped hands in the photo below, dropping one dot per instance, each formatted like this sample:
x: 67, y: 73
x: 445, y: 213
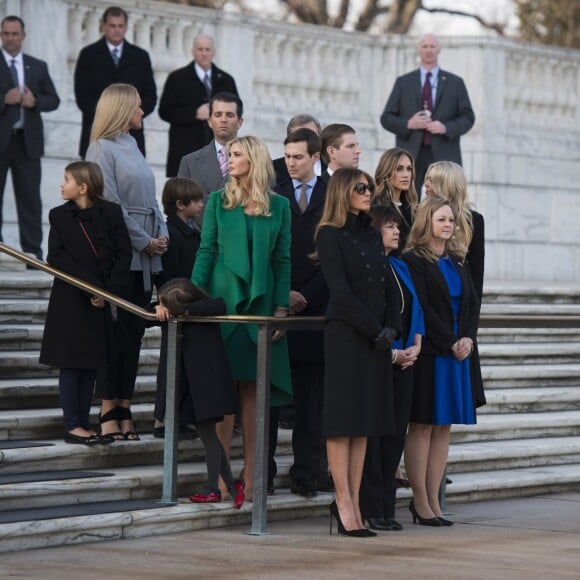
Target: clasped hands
x: 157, y: 246
x: 462, y: 348
x: 17, y: 97
x: 407, y: 357
x: 424, y: 122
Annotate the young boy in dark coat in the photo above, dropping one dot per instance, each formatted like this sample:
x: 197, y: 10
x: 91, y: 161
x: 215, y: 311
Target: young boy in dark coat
x: 89, y: 240
x: 182, y: 201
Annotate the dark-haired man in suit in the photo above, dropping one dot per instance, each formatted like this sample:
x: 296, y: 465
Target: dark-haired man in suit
x: 308, y: 297
x: 429, y: 110
x: 339, y: 148
x: 208, y: 166
x: 185, y: 101
x: 301, y: 121
x: 112, y: 60
x: 26, y: 90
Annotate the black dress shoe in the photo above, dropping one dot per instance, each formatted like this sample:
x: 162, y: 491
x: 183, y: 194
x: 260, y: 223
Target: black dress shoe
x: 303, y: 489
x: 384, y: 524
x: 80, y: 440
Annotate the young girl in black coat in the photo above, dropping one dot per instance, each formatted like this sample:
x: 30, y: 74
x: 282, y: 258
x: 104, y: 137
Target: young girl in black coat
x: 205, y: 365
x: 88, y: 239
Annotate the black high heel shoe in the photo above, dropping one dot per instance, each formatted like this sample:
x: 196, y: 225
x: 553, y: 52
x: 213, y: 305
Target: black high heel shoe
x: 433, y: 522
x: 360, y: 533
x: 445, y: 522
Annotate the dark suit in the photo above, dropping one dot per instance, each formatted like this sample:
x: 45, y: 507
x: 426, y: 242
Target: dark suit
x: 182, y: 95
x: 452, y: 107
x: 306, y: 349
x: 21, y: 150
x: 282, y: 171
x: 95, y: 71
x: 202, y: 166
x: 476, y: 254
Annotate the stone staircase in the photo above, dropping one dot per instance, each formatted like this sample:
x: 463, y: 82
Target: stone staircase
x: 526, y: 441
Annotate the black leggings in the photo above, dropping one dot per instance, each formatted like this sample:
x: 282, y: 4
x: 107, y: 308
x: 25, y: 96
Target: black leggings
x: 215, y: 457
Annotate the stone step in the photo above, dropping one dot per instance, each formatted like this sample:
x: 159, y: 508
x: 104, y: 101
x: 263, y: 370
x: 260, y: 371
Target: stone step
x: 531, y: 400
x: 524, y: 335
x: 29, y: 337
x: 530, y: 308
x: 56, y: 454
x: 532, y: 292
x: 37, y: 393
x: 494, y: 427
x: 32, y: 284
x: 283, y: 506
x: 530, y: 375
x: 530, y: 353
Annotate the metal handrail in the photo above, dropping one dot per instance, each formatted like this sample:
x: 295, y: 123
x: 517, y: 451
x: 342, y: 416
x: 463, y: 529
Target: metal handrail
x: 266, y: 325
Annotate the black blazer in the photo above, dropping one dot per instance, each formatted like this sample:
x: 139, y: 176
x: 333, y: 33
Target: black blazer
x: 435, y: 300
x: 476, y: 254
x: 452, y: 107
x: 39, y: 82
x: 182, y: 95
x: 306, y: 275
x: 180, y: 256
x: 95, y: 71
x: 282, y: 171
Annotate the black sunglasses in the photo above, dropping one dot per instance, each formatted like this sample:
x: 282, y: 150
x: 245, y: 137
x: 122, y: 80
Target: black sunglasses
x: 362, y: 188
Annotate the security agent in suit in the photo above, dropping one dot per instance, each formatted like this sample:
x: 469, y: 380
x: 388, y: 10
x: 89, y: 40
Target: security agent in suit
x: 185, y: 101
x: 430, y: 131
x: 302, y: 121
x: 308, y: 297
x: 207, y: 166
x: 112, y: 60
x: 26, y: 90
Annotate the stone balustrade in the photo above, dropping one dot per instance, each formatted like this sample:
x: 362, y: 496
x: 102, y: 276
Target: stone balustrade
x: 521, y: 157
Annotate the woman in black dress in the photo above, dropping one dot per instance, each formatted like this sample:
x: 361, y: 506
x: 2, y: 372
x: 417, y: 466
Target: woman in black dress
x: 358, y: 396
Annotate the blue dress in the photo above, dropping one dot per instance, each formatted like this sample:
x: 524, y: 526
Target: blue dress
x: 452, y: 398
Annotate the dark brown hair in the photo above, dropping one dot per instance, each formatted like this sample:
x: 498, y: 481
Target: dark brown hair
x: 180, y: 189
x: 91, y: 175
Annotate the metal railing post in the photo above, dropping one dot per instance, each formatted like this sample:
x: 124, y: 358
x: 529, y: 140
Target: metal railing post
x: 170, y: 446
x: 259, y: 507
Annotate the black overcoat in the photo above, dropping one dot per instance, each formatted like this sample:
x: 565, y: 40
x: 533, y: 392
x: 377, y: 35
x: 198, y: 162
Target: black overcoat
x: 358, y: 391
x: 75, y: 331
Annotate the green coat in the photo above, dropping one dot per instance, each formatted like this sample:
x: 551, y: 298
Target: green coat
x: 251, y: 275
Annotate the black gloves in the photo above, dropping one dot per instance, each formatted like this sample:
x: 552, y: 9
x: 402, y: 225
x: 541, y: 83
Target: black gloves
x: 385, y: 338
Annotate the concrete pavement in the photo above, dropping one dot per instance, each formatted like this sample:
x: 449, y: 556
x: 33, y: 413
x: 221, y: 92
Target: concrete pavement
x: 516, y: 538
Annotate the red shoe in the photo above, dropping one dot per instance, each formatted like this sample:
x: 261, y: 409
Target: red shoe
x: 206, y: 496
x: 238, y: 494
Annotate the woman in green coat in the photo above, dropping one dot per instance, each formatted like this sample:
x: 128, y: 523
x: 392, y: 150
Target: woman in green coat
x: 244, y: 258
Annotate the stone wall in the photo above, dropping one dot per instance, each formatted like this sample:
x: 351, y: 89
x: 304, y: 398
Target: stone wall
x: 521, y: 157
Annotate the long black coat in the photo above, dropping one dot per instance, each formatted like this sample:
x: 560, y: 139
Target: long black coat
x: 74, y: 332
x: 435, y: 300
x: 95, y: 71
x: 306, y: 274
x: 358, y: 391
x: 182, y: 95
x: 476, y: 254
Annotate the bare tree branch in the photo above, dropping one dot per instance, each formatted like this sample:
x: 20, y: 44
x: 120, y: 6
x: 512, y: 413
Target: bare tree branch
x: 496, y: 26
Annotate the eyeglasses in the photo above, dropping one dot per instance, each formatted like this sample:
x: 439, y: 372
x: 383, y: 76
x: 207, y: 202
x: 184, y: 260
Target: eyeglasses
x: 362, y: 188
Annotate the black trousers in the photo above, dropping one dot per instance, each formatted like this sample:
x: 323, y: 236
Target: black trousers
x: 124, y: 345
x: 75, y: 387
x: 26, y: 175
x: 424, y: 159
x: 378, y: 486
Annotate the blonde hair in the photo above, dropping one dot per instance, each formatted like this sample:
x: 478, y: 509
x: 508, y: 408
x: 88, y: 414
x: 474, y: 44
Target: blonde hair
x: 448, y: 181
x: 337, y: 202
x: 422, y: 229
x: 260, y: 178
x: 386, y: 167
x: 115, y: 108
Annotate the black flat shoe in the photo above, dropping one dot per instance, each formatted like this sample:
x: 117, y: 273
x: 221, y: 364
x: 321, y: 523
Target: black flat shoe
x: 80, y: 440
x: 384, y: 524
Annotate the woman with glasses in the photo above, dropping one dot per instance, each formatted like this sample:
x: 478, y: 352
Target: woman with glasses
x: 360, y: 320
